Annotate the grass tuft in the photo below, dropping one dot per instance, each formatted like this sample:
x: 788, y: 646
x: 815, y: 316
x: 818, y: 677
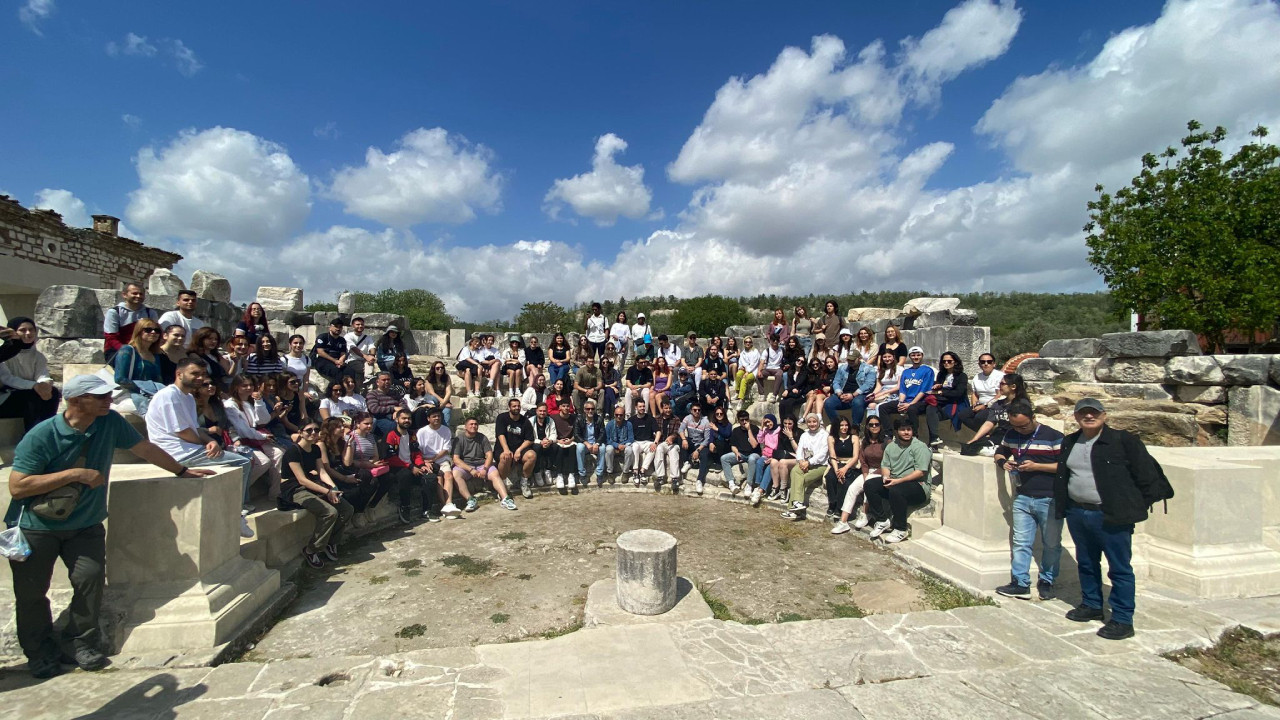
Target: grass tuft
x: 942, y: 595
x: 1243, y: 659
x: 850, y: 610
x: 791, y: 617
x: 499, y: 618
x: 719, y: 608
x: 378, y: 579
x: 408, y: 564
x: 412, y: 631
x: 467, y: 565
x: 514, y: 535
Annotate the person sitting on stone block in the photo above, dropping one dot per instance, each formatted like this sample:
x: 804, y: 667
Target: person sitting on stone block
x: 26, y: 390
x: 904, y: 483
x: 513, y: 434
x: 329, y: 356
x: 513, y: 367
x: 137, y: 368
x: 589, y: 434
x: 307, y: 485
x: 469, y: 366
x: 410, y: 470
x: 618, y: 440
x: 473, y: 460
x: 813, y: 454
x: 382, y: 404
x: 390, y: 346
x: 535, y: 360
x: 361, y: 354
x: 73, y: 450
x: 118, y: 322
x: 253, y: 324
x: 265, y: 360
x: 184, y: 315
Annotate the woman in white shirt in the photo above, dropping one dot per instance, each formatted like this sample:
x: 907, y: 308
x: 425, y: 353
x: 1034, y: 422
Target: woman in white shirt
x: 298, y: 362
x: 985, y: 386
x: 887, y: 378
x: 26, y: 390
x: 620, y: 336
x: 812, y: 461
x: 642, y: 336
x: 597, y: 333
x: 865, y: 344
x: 249, y: 417
x: 513, y: 366
x: 469, y: 366
x: 748, y: 364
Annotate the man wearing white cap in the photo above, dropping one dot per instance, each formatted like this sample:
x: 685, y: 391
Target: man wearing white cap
x: 915, y: 381
x: 58, y: 486
x: 642, y: 337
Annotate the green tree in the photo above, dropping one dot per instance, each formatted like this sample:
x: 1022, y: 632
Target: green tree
x: 707, y: 315
x: 1195, y: 243
x: 544, y: 317
x: 422, y: 308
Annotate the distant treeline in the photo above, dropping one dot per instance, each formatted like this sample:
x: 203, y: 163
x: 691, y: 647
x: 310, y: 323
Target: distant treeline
x: 1019, y: 321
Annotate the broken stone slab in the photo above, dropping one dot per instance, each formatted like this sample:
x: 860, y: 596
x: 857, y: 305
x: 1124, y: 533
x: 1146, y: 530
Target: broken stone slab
x: 163, y: 281
x: 922, y: 305
x: 346, y: 302
x: 1130, y: 370
x: 741, y: 331
x: 1058, y: 368
x: 1129, y: 391
x: 1203, y: 394
x: 864, y: 315
x: 211, y: 286
x: 292, y: 318
x: 1150, y: 343
x: 430, y: 342
x: 1194, y: 370
x: 69, y: 311
x: 940, y: 318
x: 382, y: 321
x: 1168, y: 429
x: 280, y: 298
x: 1244, y: 369
x: 1253, y: 416
x: 646, y: 567
x: 1073, y: 348
x: 61, y: 352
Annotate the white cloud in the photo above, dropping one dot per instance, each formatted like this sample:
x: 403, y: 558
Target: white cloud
x: 65, y: 203
x: 970, y: 35
x: 327, y: 131
x: 183, y: 57
x: 33, y: 12
x: 133, y: 121
x: 219, y: 184
x: 431, y: 177
x: 608, y: 191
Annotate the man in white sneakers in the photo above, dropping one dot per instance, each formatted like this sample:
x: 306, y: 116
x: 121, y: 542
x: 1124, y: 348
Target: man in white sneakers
x: 435, y: 441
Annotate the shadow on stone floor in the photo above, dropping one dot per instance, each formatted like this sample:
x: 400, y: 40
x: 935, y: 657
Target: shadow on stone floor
x: 156, y: 697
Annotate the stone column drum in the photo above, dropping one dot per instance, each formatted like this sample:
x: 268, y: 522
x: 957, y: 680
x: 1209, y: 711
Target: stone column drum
x: 646, y: 572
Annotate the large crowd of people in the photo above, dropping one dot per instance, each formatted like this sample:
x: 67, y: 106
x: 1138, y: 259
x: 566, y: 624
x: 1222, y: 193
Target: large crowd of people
x: 624, y: 405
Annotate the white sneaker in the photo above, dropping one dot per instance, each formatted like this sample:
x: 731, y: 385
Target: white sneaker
x: 559, y: 482
x: 988, y: 451
x: 880, y: 528
x: 245, y: 530
x: 635, y: 479
x: 755, y: 496
x: 685, y: 468
x: 450, y: 510
x: 733, y: 488
x: 572, y: 481
x: 699, y: 487
x: 542, y: 479
x: 840, y: 528
x: 860, y: 521
x: 894, y: 536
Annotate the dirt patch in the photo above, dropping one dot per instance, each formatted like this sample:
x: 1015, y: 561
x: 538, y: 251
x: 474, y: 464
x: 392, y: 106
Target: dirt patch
x: 499, y: 575
x: 1243, y: 659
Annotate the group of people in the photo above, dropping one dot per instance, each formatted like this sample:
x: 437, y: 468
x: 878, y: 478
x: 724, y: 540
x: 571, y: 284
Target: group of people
x: 206, y: 404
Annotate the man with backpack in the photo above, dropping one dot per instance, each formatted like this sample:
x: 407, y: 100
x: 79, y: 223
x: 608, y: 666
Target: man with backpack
x: 1105, y: 483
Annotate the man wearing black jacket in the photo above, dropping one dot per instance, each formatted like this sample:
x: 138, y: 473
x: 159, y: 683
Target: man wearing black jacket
x: 1104, y: 485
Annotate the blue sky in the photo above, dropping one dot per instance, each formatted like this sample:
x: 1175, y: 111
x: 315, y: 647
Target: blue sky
x: 257, y: 120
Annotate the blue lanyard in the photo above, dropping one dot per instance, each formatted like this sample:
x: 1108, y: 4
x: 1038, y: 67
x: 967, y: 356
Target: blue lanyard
x: 1022, y: 448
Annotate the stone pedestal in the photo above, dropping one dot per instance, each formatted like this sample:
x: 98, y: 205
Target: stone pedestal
x: 175, y: 577
x: 972, y: 546
x: 646, y: 572
x: 1212, y: 542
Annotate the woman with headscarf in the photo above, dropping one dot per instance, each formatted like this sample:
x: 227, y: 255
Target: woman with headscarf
x: 28, y: 390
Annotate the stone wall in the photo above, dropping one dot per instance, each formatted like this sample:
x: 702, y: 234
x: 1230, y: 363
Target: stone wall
x: 1159, y: 385
x: 40, y: 236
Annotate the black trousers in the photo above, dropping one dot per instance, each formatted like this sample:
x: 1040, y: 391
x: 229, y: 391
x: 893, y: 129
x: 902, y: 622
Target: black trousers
x: 406, y: 481
x: 913, y: 413
x: 836, y: 490
x: 892, y: 503
x: 84, y: 553
x: 26, y: 404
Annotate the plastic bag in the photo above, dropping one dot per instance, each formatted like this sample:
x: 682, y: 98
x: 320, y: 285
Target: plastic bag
x: 13, y: 544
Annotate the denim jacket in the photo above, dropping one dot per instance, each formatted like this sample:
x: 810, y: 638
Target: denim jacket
x: 866, y: 378
x: 619, y: 435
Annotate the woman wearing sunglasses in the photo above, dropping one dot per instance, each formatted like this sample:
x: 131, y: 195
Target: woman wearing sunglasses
x: 870, y: 455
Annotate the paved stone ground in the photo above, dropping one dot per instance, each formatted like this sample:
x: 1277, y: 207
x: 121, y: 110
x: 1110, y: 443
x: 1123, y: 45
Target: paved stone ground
x: 1019, y: 660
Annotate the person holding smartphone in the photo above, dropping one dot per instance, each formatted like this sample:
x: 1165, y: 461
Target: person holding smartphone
x: 307, y: 485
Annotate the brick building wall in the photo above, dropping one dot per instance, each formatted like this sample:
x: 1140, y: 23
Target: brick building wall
x: 40, y: 236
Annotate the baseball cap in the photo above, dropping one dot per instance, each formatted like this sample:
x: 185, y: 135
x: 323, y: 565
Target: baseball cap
x: 87, y: 385
x: 640, y: 316
x: 1089, y: 404
x: 392, y: 328
x: 846, y: 331
x: 915, y: 349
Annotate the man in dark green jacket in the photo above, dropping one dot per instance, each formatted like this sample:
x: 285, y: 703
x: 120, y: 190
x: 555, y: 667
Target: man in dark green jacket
x: 1106, y: 481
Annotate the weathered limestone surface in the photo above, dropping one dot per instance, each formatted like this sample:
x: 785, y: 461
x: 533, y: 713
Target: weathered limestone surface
x: 967, y: 342
x: 291, y: 318
x: 1204, y: 394
x: 1244, y: 369
x: 741, y: 331
x: 1253, y: 416
x: 922, y: 305
x: 430, y: 342
x: 164, y: 282
x: 346, y: 303
x: 1058, y: 368
x: 280, y: 298
x: 62, y: 352
x: 1130, y: 370
x: 1136, y: 391
x: 646, y: 572
x: 1073, y: 348
x: 864, y: 315
x: 211, y: 286
x: 1150, y: 343
x: 940, y: 318
x: 69, y: 311
x: 602, y: 606
x: 1194, y: 370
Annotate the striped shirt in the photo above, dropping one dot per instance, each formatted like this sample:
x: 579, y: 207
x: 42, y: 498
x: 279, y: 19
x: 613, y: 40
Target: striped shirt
x: 1041, y: 445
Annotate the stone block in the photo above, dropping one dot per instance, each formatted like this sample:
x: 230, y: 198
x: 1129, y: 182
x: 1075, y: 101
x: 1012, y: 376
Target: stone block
x: 346, y: 303
x: 1253, y: 416
x: 922, y: 305
x: 1275, y: 369
x: 1130, y: 370
x: 457, y: 341
x: 69, y: 311
x: 211, y: 286
x: 646, y: 572
x: 1203, y: 394
x: 175, y: 577
x: 1129, y: 391
x: 1154, y: 427
x: 964, y: 318
x: 967, y: 342
x: 602, y: 607
x: 1194, y: 370
x: 430, y: 342
x: 1244, y: 369
x: 1074, y: 348
x: 1150, y: 343
x: 291, y: 318
x: 866, y: 315
x: 1210, y: 542
x: 1058, y: 368
x: 972, y: 546
x: 741, y: 331
x: 381, y: 321
x: 280, y: 298
x: 61, y: 352
x: 164, y: 282
x: 937, y: 318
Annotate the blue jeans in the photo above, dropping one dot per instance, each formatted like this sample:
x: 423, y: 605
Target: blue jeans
x: 857, y: 407
x: 763, y: 478
x: 382, y: 426
x: 728, y: 460
x: 582, y: 460
x: 197, y: 458
x: 556, y: 372
x: 1030, y: 515
x: 806, y: 342
x: 1094, y: 539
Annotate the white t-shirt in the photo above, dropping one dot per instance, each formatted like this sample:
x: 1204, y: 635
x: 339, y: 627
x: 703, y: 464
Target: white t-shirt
x: 172, y: 411
x: 433, y: 442
x: 467, y: 353
x: 595, y: 328
x: 772, y: 358
x: 672, y: 355
x: 488, y: 352
x: 986, y: 387
x: 513, y: 356
x: 749, y: 360
x: 638, y: 331
x: 297, y: 365
x: 362, y: 343
x: 173, y: 317
x: 620, y: 332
